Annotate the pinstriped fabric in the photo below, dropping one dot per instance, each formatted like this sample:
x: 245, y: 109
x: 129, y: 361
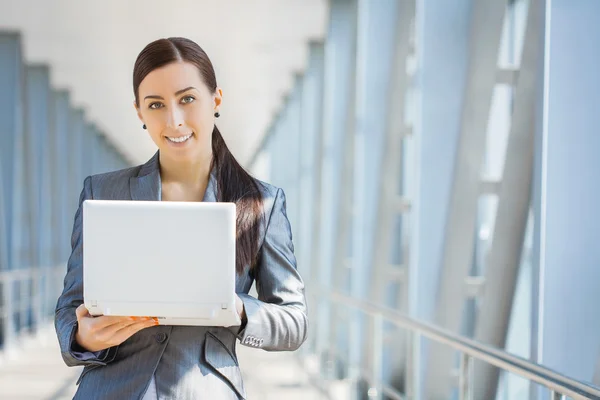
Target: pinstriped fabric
x: 187, y: 362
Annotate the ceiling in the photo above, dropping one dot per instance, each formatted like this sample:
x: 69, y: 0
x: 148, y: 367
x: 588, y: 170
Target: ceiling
x: 255, y: 46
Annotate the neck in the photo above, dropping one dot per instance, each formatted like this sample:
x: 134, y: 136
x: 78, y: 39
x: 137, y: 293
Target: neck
x: 194, y: 172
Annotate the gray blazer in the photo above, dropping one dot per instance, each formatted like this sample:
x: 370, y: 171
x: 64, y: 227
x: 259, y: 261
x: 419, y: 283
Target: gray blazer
x: 187, y: 362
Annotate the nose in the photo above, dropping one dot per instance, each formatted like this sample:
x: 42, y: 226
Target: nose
x: 175, y: 117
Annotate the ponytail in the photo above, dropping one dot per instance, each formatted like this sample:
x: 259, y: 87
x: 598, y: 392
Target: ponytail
x: 235, y: 185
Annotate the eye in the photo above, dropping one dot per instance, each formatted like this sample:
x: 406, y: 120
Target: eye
x: 156, y: 105
x: 187, y: 99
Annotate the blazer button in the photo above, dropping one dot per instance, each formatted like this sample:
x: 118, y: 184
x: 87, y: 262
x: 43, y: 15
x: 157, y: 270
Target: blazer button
x: 160, y: 337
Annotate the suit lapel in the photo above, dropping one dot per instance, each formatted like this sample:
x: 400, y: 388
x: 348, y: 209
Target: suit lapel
x: 146, y: 186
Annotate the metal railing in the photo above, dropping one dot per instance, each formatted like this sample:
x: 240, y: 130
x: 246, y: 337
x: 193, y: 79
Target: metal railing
x: 28, y: 300
x: 469, y: 350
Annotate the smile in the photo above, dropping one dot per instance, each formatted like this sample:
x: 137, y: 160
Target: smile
x: 180, y: 139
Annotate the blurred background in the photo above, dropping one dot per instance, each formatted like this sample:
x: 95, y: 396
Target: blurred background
x: 440, y: 161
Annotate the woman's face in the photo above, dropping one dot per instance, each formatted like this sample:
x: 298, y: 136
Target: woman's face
x: 178, y: 110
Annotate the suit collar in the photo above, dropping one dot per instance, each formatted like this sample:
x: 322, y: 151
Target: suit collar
x: 147, y: 184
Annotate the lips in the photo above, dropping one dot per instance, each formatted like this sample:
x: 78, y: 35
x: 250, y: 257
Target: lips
x: 180, y: 139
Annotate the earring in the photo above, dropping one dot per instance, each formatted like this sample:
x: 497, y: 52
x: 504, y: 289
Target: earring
x: 217, y: 115
x: 144, y: 127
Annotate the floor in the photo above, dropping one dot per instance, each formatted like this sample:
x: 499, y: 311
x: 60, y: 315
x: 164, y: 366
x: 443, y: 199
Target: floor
x: 36, y: 371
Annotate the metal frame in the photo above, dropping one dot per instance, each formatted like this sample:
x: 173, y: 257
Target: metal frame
x: 344, y: 329
x: 47, y: 200
x: 75, y: 155
x: 11, y: 120
x: 319, y: 51
x: 11, y: 126
x: 36, y: 140
x: 390, y: 204
x: 339, y: 58
x: 292, y: 165
x: 514, y: 194
x: 64, y: 214
x: 310, y: 155
x: 486, y: 30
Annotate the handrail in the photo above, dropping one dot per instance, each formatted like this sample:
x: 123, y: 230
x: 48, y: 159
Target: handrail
x: 479, y: 351
x: 19, y: 274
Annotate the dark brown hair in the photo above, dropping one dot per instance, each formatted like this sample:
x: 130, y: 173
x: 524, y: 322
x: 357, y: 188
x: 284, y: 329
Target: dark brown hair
x: 234, y: 184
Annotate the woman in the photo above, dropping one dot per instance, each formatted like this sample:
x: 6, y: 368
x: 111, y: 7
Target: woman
x: 177, y: 101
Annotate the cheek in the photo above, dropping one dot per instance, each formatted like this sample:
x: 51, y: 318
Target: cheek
x: 155, y: 119
x: 200, y: 118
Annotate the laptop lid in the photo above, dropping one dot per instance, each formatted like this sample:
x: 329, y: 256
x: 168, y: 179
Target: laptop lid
x: 164, y: 259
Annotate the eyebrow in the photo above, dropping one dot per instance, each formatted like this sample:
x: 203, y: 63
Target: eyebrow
x: 177, y: 93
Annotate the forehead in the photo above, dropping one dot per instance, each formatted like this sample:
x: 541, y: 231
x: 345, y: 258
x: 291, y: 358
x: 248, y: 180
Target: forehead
x: 170, y: 78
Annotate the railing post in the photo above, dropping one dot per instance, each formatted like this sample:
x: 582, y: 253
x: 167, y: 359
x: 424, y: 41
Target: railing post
x: 23, y: 306
x: 46, y: 299
x: 376, y: 389
x: 354, y: 350
x: 8, y: 335
x: 38, y: 312
x: 332, y: 347
x: 554, y: 395
x: 409, y: 374
x: 465, y: 377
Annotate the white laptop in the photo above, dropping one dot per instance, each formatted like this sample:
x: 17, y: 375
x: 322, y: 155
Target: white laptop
x: 170, y: 260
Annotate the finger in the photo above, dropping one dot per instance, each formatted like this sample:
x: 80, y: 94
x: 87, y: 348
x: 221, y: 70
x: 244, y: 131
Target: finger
x: 125, y: 333
x: 107, y: 331
x: 110, y: 325
x: 106, y: 321
x: 81, y: 311
x: 134, y: 328
x: 109, y: 334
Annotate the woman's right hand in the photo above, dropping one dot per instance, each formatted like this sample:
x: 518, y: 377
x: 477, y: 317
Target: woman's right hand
x: 99, y: 333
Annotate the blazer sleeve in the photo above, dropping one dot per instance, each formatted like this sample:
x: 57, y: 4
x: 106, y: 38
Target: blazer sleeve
x: 65, y: 319
x: 277, y: 320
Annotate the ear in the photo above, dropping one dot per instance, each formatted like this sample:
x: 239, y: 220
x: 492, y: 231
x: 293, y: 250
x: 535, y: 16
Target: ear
x: 218, y: 97
x: 137, y: 109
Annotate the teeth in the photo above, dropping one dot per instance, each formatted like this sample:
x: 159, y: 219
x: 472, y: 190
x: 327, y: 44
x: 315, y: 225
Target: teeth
x: 180, y: 139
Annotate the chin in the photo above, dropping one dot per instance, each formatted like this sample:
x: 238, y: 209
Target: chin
x: 188, y: 153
